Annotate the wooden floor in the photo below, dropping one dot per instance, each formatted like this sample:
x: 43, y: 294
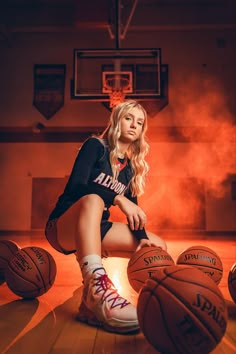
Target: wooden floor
x: 47, y: 324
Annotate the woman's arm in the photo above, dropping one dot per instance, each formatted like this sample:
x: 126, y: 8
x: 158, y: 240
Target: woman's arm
x: 135, y: 215
x: 78, y: 184
x: 91, y: 151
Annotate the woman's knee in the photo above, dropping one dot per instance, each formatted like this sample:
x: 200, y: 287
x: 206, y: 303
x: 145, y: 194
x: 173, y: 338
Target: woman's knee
x: 119, y: 241
x: 157, y: 240
x: 90, y: 202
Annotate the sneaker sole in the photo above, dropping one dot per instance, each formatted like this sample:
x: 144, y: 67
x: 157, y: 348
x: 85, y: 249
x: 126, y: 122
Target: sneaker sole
x: 88, y: 317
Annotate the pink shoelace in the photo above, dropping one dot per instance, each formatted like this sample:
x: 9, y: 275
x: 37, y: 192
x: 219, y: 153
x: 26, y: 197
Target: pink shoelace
x: 104, y: 284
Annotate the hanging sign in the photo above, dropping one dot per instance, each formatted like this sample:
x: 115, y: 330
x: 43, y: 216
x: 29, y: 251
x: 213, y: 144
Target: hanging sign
x: 49, y: 86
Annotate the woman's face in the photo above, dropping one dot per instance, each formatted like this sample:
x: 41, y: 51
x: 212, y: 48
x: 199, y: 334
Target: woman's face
x: 131, y: 125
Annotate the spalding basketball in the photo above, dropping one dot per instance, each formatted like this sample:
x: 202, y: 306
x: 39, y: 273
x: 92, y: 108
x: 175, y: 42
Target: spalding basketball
x: 8, y: 249
x: 232, y: 282
x: 144, y: 263
x: 31, y: 272
x: 203, y: 258
x: 181, y: 310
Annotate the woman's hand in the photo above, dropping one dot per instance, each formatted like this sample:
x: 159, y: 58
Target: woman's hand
x: 146, y: 243
x: 135, y: 215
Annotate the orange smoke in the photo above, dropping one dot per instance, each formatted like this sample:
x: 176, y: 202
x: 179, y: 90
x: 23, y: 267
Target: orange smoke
x: 199, y: 160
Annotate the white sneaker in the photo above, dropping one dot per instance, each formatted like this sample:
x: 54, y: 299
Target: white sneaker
x: 102, y: 305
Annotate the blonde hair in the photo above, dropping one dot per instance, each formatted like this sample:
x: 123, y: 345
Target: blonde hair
x: 137, y: 150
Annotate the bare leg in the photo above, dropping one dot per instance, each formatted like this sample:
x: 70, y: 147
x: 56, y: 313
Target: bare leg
x: 120, y: 242
x: 79, y: 227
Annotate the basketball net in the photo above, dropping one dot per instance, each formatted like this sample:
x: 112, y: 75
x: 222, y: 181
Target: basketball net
x: 116, y: 97
x: 116, y: 89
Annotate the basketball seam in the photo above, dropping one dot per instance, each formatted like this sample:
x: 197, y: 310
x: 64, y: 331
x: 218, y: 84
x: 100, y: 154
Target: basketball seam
x: 202, y: 322
x: 180, y: 297
x: 50, y: 261
x: 26, y: 279
x: 39, y: 271
x: 22, y: 277
x: 9, y: 248
x: 178, y: 270
x: 151, y: 295
x: 200, y: 248
x: 200, y: 265
x: 151, y: 267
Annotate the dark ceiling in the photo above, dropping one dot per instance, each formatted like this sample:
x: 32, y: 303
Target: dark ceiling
x: 49, y: 16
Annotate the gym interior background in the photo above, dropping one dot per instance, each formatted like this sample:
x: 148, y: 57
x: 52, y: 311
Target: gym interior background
x: 192, y: 181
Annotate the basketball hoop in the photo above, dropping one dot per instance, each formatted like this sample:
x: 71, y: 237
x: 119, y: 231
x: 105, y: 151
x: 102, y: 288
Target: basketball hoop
x: 117, y: 85
x: 116, y: 97
x: 116, y: 94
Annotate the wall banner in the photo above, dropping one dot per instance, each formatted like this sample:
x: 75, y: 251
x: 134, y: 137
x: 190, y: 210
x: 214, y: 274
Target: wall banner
x: 49, y: 86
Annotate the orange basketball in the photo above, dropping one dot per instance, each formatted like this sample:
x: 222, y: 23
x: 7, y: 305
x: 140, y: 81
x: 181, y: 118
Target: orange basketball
x: 8, y: 249
x: 232, y: 282
x: 144, y: 264
x: 31, y: 272
x: 203, y: 258
x: 182, y: 310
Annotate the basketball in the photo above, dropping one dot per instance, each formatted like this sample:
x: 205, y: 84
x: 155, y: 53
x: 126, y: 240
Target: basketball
x: 232, y: 282
x: 7, y: 250
x: 31, y: 272
x: 144, y: 263
x: 182, y: 310
x: 203, y: 258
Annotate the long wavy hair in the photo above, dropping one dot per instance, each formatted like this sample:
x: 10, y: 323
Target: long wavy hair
x: 137, y: 150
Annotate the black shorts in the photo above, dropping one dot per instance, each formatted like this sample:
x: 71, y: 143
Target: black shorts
x: 51, y: 234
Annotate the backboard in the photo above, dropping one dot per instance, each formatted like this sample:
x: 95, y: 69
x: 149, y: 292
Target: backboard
x: 99, y: 74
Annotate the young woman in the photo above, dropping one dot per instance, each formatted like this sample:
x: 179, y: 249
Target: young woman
x: 109, y: 170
